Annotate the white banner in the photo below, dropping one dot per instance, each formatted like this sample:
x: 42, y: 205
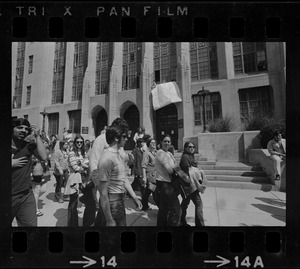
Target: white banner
x: 165, y: 94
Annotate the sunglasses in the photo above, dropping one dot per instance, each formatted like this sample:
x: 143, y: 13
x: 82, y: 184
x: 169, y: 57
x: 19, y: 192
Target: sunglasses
x: 79, y: 142
x: 191, y: 147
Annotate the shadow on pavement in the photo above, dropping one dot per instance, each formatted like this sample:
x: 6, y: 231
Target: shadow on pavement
x: 61, y: 216
x: 276, y: 212
x: 271, y: 201
x: 50, y: 196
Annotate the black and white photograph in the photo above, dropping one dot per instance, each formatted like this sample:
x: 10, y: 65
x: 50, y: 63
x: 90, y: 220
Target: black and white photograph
x: 148, y: 134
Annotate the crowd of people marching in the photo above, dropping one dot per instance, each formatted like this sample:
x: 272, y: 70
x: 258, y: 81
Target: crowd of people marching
x: 94, y: 173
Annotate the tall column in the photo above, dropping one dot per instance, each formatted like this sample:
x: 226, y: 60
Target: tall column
x: 89, y: 90
x: 225, y: 60
x: 185, y: 110
x: 115, y: 83
x: 85, y: 107
x: 147, y: 78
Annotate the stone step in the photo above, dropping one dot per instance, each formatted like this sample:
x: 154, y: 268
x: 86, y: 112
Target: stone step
x: 237, y: 178
x: 233, y: 167
x: 235, y: 173
x: 242, y: 185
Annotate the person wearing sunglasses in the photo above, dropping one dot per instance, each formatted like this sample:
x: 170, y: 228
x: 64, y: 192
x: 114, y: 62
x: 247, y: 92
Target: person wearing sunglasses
x: 112, y: 181
x: 77, y: 168
x: 186, y: 162
x: 169, y: 210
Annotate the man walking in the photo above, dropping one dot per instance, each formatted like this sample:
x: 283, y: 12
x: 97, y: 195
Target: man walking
x: 23, y: 201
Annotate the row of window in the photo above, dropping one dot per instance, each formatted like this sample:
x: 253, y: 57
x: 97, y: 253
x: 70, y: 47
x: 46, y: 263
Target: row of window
x: 74, y: 122
x: 252, y: 101
x: 248, y: 57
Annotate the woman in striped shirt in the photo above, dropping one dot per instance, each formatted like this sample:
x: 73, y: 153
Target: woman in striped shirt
x: 78, y: 167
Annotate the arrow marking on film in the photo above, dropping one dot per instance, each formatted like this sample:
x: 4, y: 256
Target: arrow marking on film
x: 87, y: 263
x: 221, y: 262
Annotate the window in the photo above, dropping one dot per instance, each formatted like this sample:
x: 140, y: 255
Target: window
x: 255, y: 100
x: 165, y: 62
x: 59, y: 73
x: 53, y: 126
x: 75, y: 121
x: 17, y: 98
x: 204, y: 61
x: 132, y: 59
x: 249, y: 57
x: 79, y: 67
x: 213, y: 109
x: 103, y: 66
x: 30, y: 66
x: 28, y: 95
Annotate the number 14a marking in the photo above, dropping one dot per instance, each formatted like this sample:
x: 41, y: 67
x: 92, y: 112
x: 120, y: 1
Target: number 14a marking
x: 246, y: 262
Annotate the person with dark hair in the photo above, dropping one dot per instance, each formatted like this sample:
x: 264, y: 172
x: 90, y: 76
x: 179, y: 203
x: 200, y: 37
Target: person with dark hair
x: 140, y: 132
x: 99, y: 145
x: 52, y: 143
x: 148, y: 165
x: 169, y: 209
x: 277, y: 150
x: 130, y: 144
x: 112, y: 181
x: 137, y: 152
x: 78, y: 170
x: 23, y: 201
x: 186, y: 162
x: 61, y: 170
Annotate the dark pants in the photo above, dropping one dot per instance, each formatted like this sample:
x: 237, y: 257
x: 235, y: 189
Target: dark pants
x: 72, y: 211
x: 145, y: 197
x: 24, y: 209
x: 136, y: 184
x: 90, y: 207
x: 117, y: 209
x: 169, y: 212
x: 196, y: 198
x: 61, y: 181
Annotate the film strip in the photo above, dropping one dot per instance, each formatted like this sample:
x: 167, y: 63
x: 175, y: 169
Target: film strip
x: 152, y: 247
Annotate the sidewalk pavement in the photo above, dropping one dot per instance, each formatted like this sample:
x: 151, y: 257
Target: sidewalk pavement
x: 221, y: 207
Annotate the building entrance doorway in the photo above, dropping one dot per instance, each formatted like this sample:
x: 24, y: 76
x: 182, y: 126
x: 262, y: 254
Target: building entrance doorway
x: 167, y: 123
x: 132, y: 116
x: 100, y: 122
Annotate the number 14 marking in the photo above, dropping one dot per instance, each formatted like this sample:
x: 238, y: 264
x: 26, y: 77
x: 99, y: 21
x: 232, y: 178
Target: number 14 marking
x: 111, y: 262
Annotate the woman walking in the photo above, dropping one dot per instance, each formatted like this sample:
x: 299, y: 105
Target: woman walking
x: 187, y: 163
x: 148, y: 165
x: 77, y: 167
x: 40, y: 177
x: 61, y: 170
x: 169, y: 212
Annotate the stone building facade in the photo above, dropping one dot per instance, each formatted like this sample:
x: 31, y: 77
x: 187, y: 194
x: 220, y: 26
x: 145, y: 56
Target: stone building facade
x: 85, y: 86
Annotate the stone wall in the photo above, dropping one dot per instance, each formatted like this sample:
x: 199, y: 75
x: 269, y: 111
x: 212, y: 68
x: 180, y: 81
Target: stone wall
x: 227, y: 146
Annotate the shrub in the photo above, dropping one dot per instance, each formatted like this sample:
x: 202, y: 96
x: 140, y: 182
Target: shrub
x: 258, y: 121
x: 267, y: 132
x: 225, y: 124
